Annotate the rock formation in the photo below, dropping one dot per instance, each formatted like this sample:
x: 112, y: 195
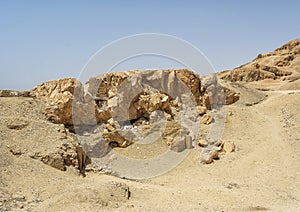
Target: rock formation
x: 126, y: 97
x: 284, y: 61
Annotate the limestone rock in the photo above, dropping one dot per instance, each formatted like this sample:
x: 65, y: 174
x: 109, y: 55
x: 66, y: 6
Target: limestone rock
x: 272, y: 65
x: 110, y: 128
x: 231, y: 96
x: 202, y: 143
x: 59, y: 96
x: 201, y: 110
x: 122, y: 96
x: 180, y: 145
x: 216, y: 94
x: 141, y: 93
x: 247, y: 74
x: 206, y: 119
x: 156, y: 116
x: 49, y: 90
x: 127, y: 97
x: 182, y: 142
x: 208, y: 155
x: 228, y: 147
x: 115, y: 138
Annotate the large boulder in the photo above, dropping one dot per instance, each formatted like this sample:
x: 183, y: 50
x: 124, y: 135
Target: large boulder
x: 65, y: 98
x: 58, y: 95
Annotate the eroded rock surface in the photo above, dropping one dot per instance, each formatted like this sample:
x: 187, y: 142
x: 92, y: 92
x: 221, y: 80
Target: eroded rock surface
x: 127, y: 97
x: 25, y: 133
x: 284, y: 61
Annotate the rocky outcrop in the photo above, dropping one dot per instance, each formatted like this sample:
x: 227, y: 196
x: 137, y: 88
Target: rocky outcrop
x: 133, y: 94
x: 284, y: 61
x: 107, y: 95
x: 58, y: 95
x: 128, y: 96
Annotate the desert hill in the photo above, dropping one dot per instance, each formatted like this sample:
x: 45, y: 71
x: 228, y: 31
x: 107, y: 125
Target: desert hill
x: 279, y: 68
x: 237, y: 134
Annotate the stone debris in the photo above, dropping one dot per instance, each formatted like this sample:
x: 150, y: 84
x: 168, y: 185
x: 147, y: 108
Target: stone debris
x: 228, y: 147
x: 179, y: 145
x: 208, y: 155
x: 206, y: 119
x: 201, y: 110
x: 231, y: 96
x: 202, y: 143
x: 114, y: 138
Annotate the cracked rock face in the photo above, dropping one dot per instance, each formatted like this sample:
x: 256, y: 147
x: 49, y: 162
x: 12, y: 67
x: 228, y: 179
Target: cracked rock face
x: 126, y: 97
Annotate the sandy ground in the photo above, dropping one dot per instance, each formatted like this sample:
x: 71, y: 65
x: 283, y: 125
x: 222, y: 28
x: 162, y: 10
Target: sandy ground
x: 262, y: 174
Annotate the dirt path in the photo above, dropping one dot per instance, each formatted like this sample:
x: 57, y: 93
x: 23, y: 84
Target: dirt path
x: 262, y: 174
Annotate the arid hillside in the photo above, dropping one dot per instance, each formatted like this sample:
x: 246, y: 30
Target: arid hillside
x: 159, y: 140
x: 280, y: 68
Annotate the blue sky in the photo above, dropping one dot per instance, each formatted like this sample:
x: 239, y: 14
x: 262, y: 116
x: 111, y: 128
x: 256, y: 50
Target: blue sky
x: 45, y: 40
